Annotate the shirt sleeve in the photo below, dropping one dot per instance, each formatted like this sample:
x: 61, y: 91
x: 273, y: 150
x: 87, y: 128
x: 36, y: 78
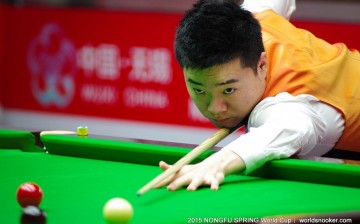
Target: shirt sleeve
x: 286, y: 125
x: 282, y: 7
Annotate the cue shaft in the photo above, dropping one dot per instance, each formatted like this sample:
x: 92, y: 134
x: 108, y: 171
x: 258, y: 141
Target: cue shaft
x: 56, y: 132
x: 208, y: 143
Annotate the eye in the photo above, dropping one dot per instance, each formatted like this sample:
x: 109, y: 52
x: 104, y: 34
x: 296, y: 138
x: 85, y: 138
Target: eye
x: 229, y: 91
x: 198, y: 91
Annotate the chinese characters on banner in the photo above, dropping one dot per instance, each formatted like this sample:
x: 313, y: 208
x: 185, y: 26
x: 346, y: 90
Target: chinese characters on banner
x: 98, y: 63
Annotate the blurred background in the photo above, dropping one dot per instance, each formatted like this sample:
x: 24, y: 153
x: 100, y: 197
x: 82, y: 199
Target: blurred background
x: 110, y: 65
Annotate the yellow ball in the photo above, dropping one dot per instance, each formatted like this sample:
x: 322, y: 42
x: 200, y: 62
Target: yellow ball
x: 118, y: 211
x: 82, y: 131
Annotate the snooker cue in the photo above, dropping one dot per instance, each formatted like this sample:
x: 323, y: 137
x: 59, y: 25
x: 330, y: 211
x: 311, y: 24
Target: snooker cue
x: 56, y: 132
x: 210, y: 142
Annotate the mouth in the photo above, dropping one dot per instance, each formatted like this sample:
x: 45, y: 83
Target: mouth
x: 225, y: 122
x: 222, y: 122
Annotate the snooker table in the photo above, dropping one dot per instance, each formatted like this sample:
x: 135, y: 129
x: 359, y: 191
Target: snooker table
x: 78, y: 175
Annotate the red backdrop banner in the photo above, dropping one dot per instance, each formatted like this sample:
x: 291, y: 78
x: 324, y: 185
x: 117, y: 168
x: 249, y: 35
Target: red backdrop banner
x: 108, y: 64
x: 97, y: 63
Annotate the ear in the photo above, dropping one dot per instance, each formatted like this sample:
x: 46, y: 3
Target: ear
x: 262, y: 65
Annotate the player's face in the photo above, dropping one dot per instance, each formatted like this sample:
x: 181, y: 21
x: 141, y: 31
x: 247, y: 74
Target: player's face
x: 227, y: 93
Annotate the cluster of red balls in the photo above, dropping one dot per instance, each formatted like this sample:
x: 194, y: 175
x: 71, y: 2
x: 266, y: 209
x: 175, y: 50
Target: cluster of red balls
x: 29, y: 196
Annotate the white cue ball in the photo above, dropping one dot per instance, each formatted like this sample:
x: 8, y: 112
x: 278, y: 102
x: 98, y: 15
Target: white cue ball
x: 118, y: 211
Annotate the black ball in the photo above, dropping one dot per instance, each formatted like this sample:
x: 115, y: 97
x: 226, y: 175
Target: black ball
x: 33, y: 215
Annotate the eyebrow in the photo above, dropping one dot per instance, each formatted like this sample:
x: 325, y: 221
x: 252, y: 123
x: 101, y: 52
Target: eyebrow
x: 194, y: 82
x: 227, y: 82
x: 217, y: 84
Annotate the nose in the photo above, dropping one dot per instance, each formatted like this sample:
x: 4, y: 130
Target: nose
x: 217, y: 105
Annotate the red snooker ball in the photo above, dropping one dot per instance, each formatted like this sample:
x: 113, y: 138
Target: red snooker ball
x: 29, y: 194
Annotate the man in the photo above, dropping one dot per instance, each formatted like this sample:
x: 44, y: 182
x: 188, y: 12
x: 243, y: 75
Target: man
x: 298, y: 94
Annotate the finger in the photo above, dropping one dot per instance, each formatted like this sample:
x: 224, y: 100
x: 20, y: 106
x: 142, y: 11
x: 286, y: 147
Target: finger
x: 164, y: 166
x: 179, y: 182
x: 194, y: 184
x: 215, y: 182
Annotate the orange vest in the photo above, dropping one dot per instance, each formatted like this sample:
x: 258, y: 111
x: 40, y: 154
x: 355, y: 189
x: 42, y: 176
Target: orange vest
x: 300, y: 63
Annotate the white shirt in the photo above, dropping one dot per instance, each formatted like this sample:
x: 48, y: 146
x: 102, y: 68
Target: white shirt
x: 282, y: 7
x: 286, y: 125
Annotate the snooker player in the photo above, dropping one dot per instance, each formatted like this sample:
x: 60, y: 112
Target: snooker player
x: 298, y: 95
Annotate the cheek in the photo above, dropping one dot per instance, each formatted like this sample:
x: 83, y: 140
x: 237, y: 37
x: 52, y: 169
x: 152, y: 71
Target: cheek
x: 192, y: 95
x: 254, y: 93
x: 250, y: 100
x: 199, y: 103
x: 242, y: 103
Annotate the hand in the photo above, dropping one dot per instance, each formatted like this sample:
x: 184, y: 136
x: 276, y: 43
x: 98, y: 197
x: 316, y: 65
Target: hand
x: 194, y: 176
x: 210, y: 172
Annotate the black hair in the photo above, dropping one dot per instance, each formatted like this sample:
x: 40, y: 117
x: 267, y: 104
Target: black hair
x: 214, y: 32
